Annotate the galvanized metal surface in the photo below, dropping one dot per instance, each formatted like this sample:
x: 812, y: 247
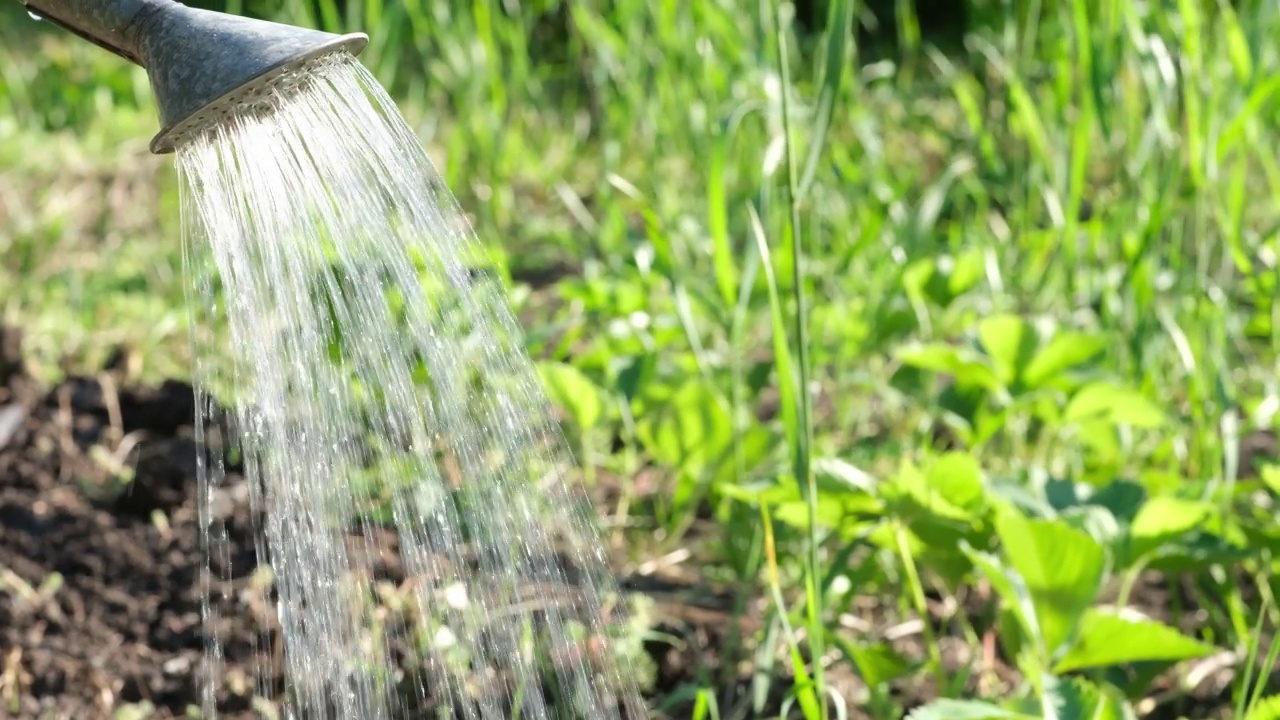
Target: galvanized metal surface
x: 202, y: 64
x: 107, y: 24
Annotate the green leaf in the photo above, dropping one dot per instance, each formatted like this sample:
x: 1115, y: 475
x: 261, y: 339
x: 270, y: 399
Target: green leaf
x: 1107, y: 639
x: 1267, y: 708
x: 969, y: 269
x: 1236, y: 130
x: 1010, y: 342
x: 1198, y: 553
x: 1100, y: 437
x: 1123, y: 498
x: 718, y: 220
x: 1164, y: 519
x: 840, y: 26
x: 1237, y: 43
x: 796, y: 514
x: 788, y: 386
x: 691, y: 432
x: 635, y: 374
x: 957, y: 477
x: 877, y: 663
x: 805, y: 691
x: 1030, y: 123
x: 842, y: 475
x: 1062, y: 568
x: 1271, y: 477
x: 1115, y: 404
x: 1065, y: 351
x: 1079, y: 699
x: 947, y: 709
x: 942, y: 358
x: 1095, y: 520
x: 915, y: 498
x: 704, y: 706
x: 1011, y: 589
x: 1060, y: 699
x: 573, y: 391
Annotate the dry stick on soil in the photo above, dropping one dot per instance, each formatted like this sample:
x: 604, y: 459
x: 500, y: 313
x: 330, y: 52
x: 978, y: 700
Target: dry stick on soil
x: 65, y: 441
x: 111, y: 399
x: 118, y: 443
x: 13, y: 680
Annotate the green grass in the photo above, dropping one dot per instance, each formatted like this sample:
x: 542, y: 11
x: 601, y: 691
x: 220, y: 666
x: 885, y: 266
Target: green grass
x: 1006, y: 310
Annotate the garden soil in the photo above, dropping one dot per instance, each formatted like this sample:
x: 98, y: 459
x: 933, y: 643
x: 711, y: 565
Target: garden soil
x: 101, y: 564
x: 101, y: 568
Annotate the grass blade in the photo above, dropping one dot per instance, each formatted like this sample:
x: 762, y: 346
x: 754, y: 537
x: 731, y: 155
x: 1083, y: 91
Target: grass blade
x: 781, y: 351
x: 839, y: 30
x: 804, y: 433
x: 718, y: 220
x: 805, y: 691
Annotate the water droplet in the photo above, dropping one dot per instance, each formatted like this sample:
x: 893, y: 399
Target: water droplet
x: 34, y: 16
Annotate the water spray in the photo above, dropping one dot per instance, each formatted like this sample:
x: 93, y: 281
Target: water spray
x: 326, y: 226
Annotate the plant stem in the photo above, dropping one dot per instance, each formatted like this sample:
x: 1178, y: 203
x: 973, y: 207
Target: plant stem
x: 803, y: 471
x: 921, y: 605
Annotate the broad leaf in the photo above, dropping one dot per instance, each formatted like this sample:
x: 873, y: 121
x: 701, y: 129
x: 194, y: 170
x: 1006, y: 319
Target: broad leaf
x: 1011, y: 589
x: 1163, y: 519
x: 915, y: 495
x: 1113, y: 404
x: 1097, y: 521
x: 690, y: 432
x: 969, y: 269
x: 941, y: 358
x: 1062, y: 567
x: 693, y: 434
x: 965, y: 710
x: 1065, y: 351
x: 1197, y: 552
x: 957, y: 477
x: 796, y: 514
x: 877, y: 663
x: 635, y: 374
x: 1100, y: 436
x: 1267, y: 708
x: 843, y: 475
x: 1123, y: 498
x: 1271, y: 477
x: 1010, y: 343
x: 1078, y: 699
x: 573, y: 391
x: 1107, y: 639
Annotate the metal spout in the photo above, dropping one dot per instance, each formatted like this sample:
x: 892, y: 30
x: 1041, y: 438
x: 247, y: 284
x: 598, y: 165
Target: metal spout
x: 202, y: 64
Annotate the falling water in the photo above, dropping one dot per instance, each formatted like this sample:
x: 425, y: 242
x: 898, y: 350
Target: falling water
x: 379, y: 381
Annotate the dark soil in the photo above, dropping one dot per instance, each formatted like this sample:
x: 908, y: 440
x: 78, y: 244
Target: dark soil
x: 101, y: 566
x: 99, y: 591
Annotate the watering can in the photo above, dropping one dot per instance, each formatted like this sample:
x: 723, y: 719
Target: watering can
x: 202, y: 64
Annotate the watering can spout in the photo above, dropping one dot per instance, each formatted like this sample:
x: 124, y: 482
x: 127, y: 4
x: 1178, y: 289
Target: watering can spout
x: 202, y: 64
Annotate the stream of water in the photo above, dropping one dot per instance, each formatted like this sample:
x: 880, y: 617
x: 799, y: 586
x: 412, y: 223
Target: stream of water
x: 380, y: 387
